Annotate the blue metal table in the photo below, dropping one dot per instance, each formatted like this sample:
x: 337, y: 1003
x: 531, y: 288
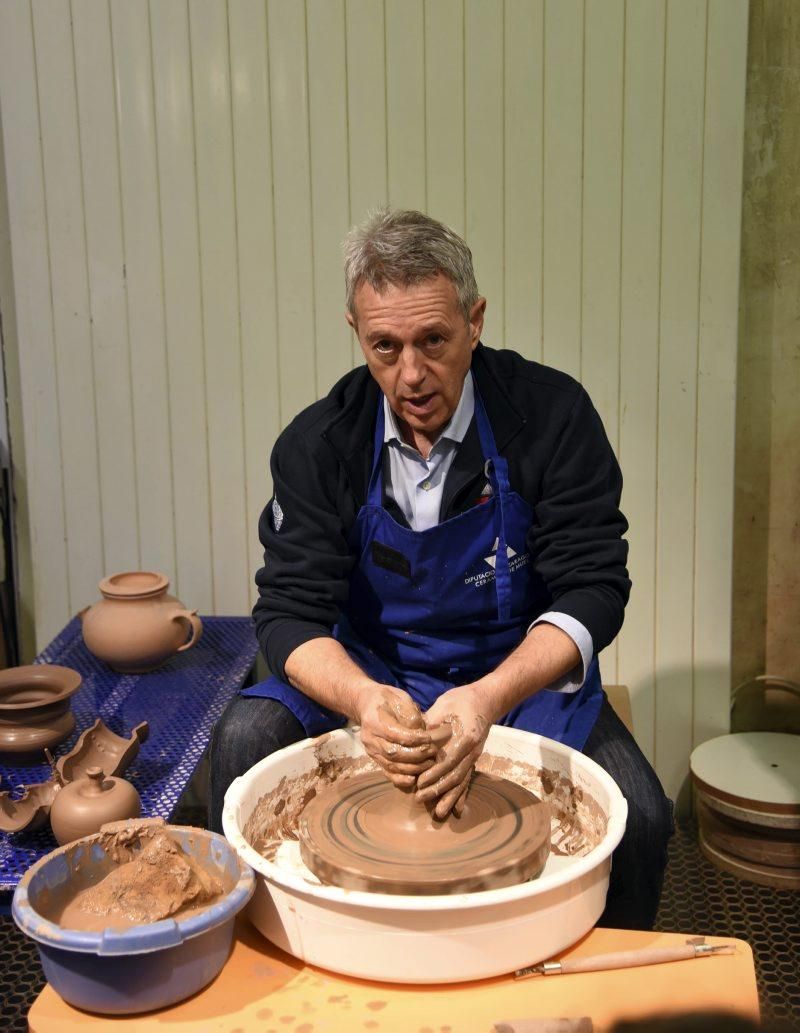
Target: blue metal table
x: 180, y: 701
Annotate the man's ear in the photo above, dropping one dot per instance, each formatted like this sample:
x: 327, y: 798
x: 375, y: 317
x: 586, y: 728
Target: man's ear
x: 476, y: 316
x: 351, y: 321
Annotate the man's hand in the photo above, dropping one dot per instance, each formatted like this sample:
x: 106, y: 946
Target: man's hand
x: 464, y: 711
x: 394, y: 734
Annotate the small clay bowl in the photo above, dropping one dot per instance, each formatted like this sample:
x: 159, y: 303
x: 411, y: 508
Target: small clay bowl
x: 35, y: 706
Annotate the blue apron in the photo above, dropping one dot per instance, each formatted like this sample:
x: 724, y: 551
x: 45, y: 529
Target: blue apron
x: 429, y: 610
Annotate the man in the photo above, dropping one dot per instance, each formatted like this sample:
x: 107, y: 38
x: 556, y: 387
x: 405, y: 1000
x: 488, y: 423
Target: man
x: 444, y: 537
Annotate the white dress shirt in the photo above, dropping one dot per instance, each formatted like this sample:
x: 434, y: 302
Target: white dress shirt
x: 416, y: 484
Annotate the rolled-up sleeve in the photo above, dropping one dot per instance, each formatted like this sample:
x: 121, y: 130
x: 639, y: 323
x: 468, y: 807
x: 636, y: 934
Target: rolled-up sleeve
x: 574, y: 679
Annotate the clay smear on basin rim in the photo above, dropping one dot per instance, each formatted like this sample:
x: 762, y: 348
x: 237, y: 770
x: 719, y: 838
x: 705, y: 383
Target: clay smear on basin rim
x: 578, y: 822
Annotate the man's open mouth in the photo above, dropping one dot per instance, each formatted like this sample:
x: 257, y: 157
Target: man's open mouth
x: 420, y: 403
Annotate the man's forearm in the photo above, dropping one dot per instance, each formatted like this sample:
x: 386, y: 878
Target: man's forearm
x: 323, y: 670
x: 545, y: 655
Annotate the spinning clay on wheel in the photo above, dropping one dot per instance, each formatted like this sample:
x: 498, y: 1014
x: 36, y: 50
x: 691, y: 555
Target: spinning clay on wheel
x: 365, y: 834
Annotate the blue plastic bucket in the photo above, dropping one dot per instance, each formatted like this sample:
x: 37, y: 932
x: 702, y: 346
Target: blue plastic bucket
x: 124, y: 971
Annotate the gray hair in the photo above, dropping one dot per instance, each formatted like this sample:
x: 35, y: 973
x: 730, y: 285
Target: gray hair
x: 403, y: 248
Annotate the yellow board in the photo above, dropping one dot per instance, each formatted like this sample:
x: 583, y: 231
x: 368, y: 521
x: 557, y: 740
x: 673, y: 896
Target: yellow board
x: 262, y: 989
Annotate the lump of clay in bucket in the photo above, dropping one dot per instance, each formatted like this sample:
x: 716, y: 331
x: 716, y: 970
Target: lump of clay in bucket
x: 158, y: 881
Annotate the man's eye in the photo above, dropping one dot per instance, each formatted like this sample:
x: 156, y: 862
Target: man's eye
x: 384, y: 347
x: 434, y: 340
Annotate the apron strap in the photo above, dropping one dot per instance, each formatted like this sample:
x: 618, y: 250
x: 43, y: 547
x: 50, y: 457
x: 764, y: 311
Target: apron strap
x: 496, y: 472
x: 375, y: 489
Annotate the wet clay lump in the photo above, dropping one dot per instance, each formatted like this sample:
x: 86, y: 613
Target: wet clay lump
x: 155, y: 879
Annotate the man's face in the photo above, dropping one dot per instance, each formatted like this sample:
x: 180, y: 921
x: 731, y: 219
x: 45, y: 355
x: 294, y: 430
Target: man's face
x: 418, y: 347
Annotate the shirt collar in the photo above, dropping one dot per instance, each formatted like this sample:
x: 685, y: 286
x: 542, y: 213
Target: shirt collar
x: 454, y: 429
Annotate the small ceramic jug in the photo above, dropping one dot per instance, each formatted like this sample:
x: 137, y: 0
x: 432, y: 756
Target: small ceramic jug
x: 136, y: 626
x: 82, y: 806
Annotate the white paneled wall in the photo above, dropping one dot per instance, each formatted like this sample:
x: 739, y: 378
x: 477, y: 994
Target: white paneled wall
x: 180, y: 174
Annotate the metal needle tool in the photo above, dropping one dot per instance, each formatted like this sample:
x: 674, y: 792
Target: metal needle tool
x: 625, y: 959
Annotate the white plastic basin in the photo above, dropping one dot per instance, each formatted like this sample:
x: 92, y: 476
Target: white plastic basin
x: 428, y: 939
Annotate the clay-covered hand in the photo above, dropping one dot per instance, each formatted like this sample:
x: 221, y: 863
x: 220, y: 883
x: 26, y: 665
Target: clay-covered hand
x: 394, y: 735
x: 463, y: 711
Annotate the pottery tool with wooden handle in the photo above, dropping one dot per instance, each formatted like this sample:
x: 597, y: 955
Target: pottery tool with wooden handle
x: 625, y: 959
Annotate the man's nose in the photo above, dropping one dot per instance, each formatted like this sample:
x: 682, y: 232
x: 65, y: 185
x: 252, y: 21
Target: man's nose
x: 412, y: 366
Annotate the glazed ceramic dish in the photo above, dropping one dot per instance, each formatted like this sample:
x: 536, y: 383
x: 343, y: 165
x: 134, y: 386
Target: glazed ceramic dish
x: 35, y: 707
x: 431, y: 939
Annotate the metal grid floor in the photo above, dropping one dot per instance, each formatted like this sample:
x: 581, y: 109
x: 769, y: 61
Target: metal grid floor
x: 701, y: 899
x: 697, y: 898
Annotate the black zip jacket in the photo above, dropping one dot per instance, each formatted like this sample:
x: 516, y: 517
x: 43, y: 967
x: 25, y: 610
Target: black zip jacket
x: 559, y: 461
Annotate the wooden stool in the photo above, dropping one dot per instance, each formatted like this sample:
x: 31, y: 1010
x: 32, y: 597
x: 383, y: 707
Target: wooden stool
x: 620, y: 700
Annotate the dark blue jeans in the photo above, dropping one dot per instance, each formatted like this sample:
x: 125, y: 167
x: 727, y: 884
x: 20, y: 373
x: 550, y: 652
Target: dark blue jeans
x: 638, y: 863
x: 249, y: 729
x: 252, y: 728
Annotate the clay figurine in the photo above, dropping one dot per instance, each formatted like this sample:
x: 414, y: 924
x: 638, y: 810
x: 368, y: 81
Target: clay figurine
x: 81, y: 807
x: 136, y: 626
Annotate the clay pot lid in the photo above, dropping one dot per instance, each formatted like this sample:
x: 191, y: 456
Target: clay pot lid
x: 133, y: 584
x: 36, y: 685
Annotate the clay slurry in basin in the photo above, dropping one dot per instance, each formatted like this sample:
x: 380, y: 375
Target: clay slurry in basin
x: 151, y: 878
x: 365, y: 834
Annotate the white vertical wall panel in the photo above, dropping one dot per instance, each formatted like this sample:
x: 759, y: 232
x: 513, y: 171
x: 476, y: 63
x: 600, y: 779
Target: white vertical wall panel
x: 61, y: 161
x: 42, y: 479
x: 604, y: 34
x: 291, y: 174
x: 180, y: 177
x: 677, y: 410
x: 405, y: 103
x: 484, y: 41
x: 366, y: 112
x: 639, y: 345
x: 216, y: 201
x: 524, y: 178
x: 330, y: 185
x: 255, y: 236
x: 183, y: 306
x: 366, y: 105
x: 726, y: 51
x: 444, y: 111
x: 94, y: 77
x: 143, y: 273
x: 602, y: 207
x: 563, y: 202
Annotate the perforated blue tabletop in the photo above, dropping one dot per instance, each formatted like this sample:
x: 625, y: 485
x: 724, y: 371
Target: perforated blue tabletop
x: 180, y: 701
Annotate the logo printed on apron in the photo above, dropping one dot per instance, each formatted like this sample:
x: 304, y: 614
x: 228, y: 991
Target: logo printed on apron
x: 516, y: 560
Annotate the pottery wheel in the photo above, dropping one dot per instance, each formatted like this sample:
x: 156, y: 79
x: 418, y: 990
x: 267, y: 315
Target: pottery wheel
x: 365, y: 834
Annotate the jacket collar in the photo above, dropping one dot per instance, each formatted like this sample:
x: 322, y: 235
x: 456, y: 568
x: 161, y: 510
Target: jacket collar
x: 351, y: 430
x: 506, y: 419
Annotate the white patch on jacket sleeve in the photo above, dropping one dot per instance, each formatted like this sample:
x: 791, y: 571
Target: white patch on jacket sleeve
x: 277, y: 515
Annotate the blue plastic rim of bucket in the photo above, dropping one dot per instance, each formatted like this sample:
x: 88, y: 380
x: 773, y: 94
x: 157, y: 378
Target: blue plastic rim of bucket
x: 124, y: 971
